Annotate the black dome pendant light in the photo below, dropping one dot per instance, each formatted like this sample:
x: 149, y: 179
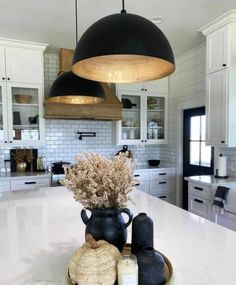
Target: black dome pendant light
x: 71, y: 89
x: 123, y: 48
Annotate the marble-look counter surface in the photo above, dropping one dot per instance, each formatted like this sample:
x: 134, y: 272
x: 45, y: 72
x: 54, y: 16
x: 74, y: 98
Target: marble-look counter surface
x: 40, y: 230
x: 210, y: 180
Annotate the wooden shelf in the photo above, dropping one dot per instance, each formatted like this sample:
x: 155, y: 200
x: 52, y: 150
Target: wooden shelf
x: 24, y: 105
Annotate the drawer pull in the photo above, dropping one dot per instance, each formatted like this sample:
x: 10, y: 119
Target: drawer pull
x: 162, y: 197
x: 163, y: 173
x: 30, y: 182
x: 136, y: 175
x: 164, y: 182
x: 198, y: 201
x: 136, y: 184
x: 198, y: 188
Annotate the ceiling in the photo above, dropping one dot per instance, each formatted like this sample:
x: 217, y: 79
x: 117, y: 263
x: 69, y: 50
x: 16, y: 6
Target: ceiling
x: 53, y: 21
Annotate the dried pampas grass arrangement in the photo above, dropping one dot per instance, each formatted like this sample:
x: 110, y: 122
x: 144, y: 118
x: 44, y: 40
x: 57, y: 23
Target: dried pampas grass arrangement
x: 97, y: 182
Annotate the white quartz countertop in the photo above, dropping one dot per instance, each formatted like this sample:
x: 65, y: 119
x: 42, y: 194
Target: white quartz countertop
x: 210, y: 180
x: 12, y: 175
x: 40, y: 231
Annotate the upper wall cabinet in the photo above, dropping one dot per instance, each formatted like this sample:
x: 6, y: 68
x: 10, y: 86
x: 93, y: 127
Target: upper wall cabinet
x: 220, y: 81
x: 218, y: 49
x: 21, y: 93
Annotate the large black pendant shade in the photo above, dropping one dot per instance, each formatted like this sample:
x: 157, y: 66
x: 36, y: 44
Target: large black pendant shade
x: 71, y: 89
x: 123, y: 48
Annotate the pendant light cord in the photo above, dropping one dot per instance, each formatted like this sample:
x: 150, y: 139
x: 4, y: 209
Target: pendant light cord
x: 123, y: 7
x: 76, y: 22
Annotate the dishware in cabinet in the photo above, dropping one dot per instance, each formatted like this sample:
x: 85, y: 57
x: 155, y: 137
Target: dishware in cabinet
x: 22, y: 118
x: 144, y: 118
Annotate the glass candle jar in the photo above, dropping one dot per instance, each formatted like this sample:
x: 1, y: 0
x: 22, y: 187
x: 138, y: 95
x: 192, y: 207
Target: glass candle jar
x: 127, y: 270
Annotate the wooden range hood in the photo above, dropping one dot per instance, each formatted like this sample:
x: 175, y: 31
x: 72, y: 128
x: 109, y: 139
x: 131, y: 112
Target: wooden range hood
x: 109, y: 109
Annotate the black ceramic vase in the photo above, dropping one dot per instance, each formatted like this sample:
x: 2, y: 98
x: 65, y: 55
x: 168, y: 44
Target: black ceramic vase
x: 151, y: 267
x: 142, y: 232
x: 107, y: 224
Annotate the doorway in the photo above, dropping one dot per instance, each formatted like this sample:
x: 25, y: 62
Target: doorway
x: 197, y: 157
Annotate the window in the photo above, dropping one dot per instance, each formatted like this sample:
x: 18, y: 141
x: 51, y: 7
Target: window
x: 200, y: 154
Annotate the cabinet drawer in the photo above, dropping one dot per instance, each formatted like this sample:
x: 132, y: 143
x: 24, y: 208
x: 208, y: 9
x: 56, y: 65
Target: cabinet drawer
x: 161, y: 174
x: 29, y: 184
x: 143, y: 185
x: 200, y: 206
x: 167, y: 197
x: 200, y: 190
x: 4, y: 186
x: 141, y: 175
x: 163, y: 186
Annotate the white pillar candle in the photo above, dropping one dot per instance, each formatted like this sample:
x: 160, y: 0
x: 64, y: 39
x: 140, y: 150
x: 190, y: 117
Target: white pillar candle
x: 128, y: 270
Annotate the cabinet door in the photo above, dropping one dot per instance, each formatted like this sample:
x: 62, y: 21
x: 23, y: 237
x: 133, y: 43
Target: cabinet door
x: 130, y: 87
x: 157, y: 86
x: 217, y: 108
x: 156, y: 118
x: 199, y: 206
x: 24, y: 65
x: 2, y: 65
x: 25, y: 118
x: 3, y: 114
x: 130, y: 128
x: 227, y: 219
x: 218, y: 49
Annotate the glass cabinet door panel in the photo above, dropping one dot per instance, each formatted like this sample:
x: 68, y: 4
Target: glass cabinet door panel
x: 131, y: 117
x: 155, y: 118
x: 25, y: 113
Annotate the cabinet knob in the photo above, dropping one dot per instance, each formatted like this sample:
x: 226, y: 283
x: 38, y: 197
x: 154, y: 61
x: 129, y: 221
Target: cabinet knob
x: 8, y: 78
x: 10, y: 141
x: 3, y: 78
x: 222, y: 141
x: 224, y: 64
x: 142, y: 89
x: 5, y: 142
x: 145, y: 89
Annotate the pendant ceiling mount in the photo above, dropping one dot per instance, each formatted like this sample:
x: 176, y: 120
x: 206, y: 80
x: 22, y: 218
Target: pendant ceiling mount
x: 123, y: 48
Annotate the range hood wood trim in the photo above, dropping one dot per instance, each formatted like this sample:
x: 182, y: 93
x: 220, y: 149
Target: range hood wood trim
x: 109, y: 109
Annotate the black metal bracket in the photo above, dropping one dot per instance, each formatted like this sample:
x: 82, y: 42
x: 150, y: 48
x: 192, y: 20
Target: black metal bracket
x: 86, y: 134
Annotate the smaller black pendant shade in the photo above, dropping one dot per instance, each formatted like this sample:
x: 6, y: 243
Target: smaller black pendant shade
x: 123, y: 48
x: 71, y: 89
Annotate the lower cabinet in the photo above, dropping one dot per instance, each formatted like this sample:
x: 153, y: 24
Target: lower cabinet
x: 24, y: 183
x: 159, y: 183
x: 200, y: 201
x: 227, y: 219
x: 200, y: 206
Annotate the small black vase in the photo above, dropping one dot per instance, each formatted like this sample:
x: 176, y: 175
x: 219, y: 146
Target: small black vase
x: 142, y: 232
x: 107, y: 224
x: 151, y: 267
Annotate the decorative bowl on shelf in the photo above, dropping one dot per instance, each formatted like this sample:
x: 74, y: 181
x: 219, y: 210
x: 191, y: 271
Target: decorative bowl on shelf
x: 154, y: 162
x: 23, y: 99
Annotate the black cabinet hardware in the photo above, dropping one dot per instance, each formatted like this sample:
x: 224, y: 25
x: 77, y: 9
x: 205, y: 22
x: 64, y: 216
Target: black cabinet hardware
x: 161, y: 197
x: 198, y: 188
x: 136, y: 184
x: 222, y: 141
x: 3, y: 78
x: 136, y: 175
x: 198, y: 201
x: 224, y: 64
x: 162, y: 173
x: 30, y: 182
x: 164, y: 182
x: 8, y: 78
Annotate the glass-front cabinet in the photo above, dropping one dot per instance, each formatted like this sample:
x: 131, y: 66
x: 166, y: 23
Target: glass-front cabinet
x: 144, y: 118
x: 21, y: 115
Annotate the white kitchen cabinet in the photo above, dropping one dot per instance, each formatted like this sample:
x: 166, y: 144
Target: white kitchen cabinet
x: 142, y: 182
x: 218, y: 49
x: 154, y: 86
x: 21, y: 67
x: 220, y: 81
x: 159, y: 183
x: 144, y: 118
x: 226, y: 219
x: 4, y: 185
x: 200, y: 206
x: 30, y: 183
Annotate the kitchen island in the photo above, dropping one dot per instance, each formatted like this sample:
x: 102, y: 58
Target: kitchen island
x: 40, y: 230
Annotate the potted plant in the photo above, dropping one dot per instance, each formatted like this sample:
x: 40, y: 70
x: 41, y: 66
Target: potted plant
x: 102, y: 186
